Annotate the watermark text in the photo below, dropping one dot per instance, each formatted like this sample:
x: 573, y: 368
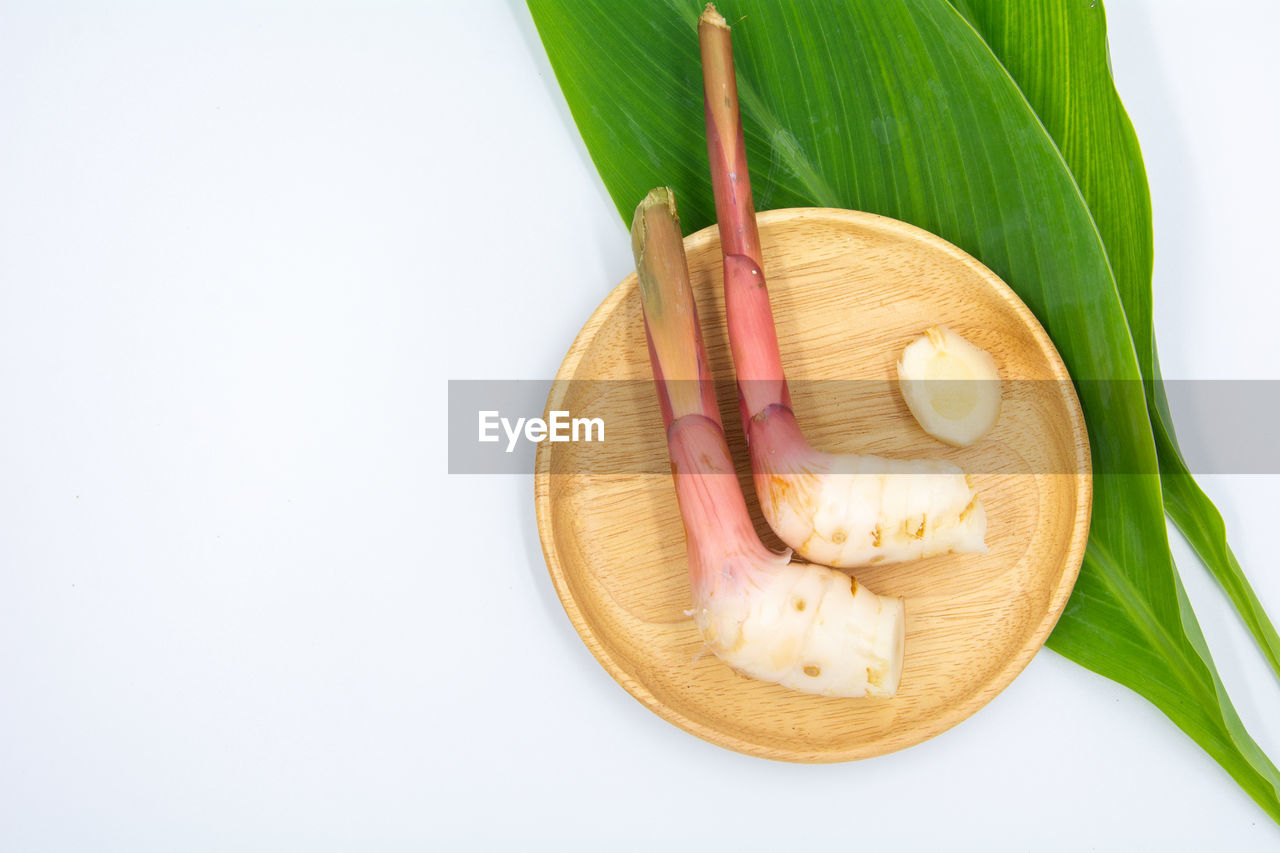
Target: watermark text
x: 560, y: 426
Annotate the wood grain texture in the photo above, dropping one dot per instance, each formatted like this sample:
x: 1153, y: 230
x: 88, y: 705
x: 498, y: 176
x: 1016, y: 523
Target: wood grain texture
x: 849, y: 291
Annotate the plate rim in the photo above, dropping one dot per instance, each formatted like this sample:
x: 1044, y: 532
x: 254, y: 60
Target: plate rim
x: 954, y: 714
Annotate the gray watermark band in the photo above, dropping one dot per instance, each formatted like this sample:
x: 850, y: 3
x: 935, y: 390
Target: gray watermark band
x: 614, y: 427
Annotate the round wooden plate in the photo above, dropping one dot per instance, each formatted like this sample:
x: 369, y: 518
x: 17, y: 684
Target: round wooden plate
x: 849, y: 290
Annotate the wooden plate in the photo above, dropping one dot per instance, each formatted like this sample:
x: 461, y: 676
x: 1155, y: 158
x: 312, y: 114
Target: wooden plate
x: 849, y: 291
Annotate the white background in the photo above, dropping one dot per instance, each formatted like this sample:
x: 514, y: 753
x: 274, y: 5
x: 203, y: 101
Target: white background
x: 242, y: 604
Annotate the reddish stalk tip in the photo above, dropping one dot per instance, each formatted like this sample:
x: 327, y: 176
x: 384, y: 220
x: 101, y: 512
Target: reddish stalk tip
x: 712, y: 17
x: 753, y: 338
x: 680, y: 368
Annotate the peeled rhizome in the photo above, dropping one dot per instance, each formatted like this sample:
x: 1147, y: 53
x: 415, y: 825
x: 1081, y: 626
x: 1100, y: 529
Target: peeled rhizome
x: 951, y: 386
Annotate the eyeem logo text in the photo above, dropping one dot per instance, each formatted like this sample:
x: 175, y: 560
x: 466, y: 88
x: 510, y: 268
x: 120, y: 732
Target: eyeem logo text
x: 560, y: 427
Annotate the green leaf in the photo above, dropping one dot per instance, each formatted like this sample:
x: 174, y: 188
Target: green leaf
x: 899, y: 107
x: 1057, y: 53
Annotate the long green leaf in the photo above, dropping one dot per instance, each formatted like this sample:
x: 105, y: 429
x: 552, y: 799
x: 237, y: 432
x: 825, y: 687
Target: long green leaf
x: 901, y: 108
x: 1057, y: 53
